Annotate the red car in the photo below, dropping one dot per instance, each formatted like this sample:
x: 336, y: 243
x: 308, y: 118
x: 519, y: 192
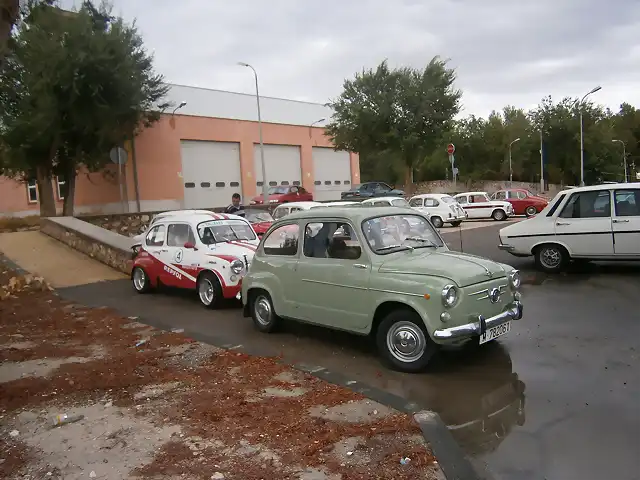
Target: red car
x: 260, y: 220
x: 284, y: 194
x: 523, y: 201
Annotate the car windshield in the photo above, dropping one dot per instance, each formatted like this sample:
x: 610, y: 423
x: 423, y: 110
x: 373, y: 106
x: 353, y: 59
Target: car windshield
x: 448, y: 200
x: 400, y: 202
x: 217, y: 231
x: 400, y: 232
x: 257, y: 216
x: 278, y: 190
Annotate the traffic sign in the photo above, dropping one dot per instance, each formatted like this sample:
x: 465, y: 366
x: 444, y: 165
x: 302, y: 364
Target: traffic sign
x: 118, y: 155
x: 451, y: 148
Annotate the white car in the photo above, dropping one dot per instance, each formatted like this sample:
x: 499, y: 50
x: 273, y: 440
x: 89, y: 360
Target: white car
x: 599, y: 222
x: 287, y: 208
x: 338, y: 204
x: 208, y: 253
x: 137, y: 240
x: 385, y: 202
x: 441, y: 207
x: 479, y: 205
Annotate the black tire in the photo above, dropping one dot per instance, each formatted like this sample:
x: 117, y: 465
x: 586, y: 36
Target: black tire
x: 209, y: 290
x: 437, y: 221
x: 457, y: 223
x: 262, y: 311
x: 530, y: 211
x: 551, y: 258
x: 140, y: 280
x: 499, y: 215
x: 409, y: 323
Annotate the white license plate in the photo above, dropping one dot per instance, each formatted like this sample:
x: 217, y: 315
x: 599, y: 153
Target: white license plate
x: 495, y: 332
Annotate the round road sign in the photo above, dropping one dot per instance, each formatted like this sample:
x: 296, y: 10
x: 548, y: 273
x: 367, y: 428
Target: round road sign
x: 451, y: 149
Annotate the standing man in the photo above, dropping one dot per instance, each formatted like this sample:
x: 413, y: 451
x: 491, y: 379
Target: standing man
x: 236, y: 208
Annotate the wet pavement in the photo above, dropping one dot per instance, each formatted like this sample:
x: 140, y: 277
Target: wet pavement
x: 557, y: 399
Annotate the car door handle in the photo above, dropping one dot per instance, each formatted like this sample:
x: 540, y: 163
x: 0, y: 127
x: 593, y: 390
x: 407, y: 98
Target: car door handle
x: 164, y: 250
x: 620, y: 220
x: 563, y: 223
x: 359, y: 265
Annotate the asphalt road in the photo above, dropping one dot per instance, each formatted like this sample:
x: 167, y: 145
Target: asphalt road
x: 557, y: 399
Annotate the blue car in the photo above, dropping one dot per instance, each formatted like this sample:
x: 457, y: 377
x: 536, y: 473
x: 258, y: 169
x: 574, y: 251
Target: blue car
x: 370, y: 190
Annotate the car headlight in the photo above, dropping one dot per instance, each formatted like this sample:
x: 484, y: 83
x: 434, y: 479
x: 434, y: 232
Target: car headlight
x: 449, y: 295
x: 237, y: 266
x: 515, y: 280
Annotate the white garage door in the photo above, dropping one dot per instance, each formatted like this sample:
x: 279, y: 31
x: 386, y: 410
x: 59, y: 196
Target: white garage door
x: 210, y: 172
x: 282, y: 163
x: 331, y: 172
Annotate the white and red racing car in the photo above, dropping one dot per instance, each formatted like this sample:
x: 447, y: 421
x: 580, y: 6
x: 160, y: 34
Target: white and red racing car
x: 206, y: 252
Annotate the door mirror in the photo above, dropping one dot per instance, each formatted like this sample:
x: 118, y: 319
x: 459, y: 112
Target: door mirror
x: 190, y: 245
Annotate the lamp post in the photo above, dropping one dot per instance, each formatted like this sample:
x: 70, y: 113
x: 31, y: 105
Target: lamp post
x: 265, y: 187
x: 182, y: 104
x: 510, y: 168
x: 624, y: 157
x: 541, y: 164
x: 315, y: 123
x: 594, y: 90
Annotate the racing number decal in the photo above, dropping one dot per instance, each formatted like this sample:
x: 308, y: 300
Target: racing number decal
x: 178, y: 256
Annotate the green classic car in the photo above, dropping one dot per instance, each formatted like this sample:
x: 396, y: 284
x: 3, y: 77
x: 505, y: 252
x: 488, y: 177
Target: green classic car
x: 380, y: 271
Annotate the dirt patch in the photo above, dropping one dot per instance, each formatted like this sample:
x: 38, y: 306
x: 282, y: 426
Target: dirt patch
x: 19, y: 224
x: 157, y: 405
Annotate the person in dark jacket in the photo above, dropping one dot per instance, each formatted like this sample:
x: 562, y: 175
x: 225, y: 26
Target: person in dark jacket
x: 236, y: 208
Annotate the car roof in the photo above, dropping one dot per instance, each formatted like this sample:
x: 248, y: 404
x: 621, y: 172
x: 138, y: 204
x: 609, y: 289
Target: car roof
x: 375, y: 199
x: 336, y: 204
x: 471, y: 193
x: 355, y: 214
x: 602, y: 186
x: 171, y: 213
x: 196, y: 218
x: 427, y: 195
x: 299, y: 204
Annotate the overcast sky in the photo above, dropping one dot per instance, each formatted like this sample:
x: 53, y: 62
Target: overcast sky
x: 505, y: 51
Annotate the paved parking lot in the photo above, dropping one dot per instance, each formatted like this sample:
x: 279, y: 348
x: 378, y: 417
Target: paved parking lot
x: 558, y: 398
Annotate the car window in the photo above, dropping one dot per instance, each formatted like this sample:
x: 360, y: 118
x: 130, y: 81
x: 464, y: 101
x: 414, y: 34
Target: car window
x: 431, y: 202
x: 365, y: 187
x: 383, y: 187
x: 218, y: 231
x: 555, y: 206
x: 294, y: 190
x: 280, y: 212
x: 416, y: 202
x: 521, y: 195
x: 627, y: 203
x: 448, y: 199
x: 591, y: 204
x: 502, y: 195
x: 282, y: 241
x: 399, y: 202
x: 155, y: 237
x: 462, y: 200
x: 399, y: 232
x: 331, y: 240
x: 478, y: 199
x: 380, y: 203
x: 178, y: 234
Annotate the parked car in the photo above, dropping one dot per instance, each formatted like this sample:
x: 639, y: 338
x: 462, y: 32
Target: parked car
x: 207, y: 253
x: 284, y: 210
x: 599, y: 222
x: 260, y: 220
x: 138, y: 239
x: 385, y: 202
x: 479, y: 205
x: 284, y: 194
x: 338, y: 204
x: 441, y: 207
x: 371, y: 189
x: 402, y: 285
x: 523, y: 201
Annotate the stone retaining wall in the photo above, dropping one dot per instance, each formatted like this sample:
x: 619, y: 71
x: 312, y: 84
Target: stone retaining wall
x: 103, y: 245
x: 446, y: 186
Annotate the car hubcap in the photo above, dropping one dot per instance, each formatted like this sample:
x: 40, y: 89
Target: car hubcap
x: 263, y: 310
x: 406, y: 342
x: 550, y: 257
x: 531, y: 211
x: 437, y: 222
x: 139, y: 279
x: 205, y: 290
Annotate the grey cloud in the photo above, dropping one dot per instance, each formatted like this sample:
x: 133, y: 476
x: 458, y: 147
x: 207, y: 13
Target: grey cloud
x: 505, y: 52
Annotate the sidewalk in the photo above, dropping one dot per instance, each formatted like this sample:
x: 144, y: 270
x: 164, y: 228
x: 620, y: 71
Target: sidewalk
x: 158, y: 405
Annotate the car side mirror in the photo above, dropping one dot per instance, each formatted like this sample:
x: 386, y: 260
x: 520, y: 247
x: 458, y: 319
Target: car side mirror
x: 190, y: 245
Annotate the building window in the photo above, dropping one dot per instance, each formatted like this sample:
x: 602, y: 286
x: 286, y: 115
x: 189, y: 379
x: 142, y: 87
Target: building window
x: 32, y: 191
x: 61, y: 182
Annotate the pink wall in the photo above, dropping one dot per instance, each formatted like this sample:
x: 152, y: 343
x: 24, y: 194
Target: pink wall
x: 159, y: 163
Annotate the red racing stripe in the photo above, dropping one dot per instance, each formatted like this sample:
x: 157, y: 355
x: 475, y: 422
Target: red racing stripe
x: 253, y: 248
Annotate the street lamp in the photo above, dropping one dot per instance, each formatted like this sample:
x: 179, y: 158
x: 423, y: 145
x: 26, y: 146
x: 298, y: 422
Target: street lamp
x: 315, y: 123
x: 594, y: 90
x: 511, y: 169
x: 541, y: 164
x: 624, y: 157
x: 182, y: 104
x: 265, y: 187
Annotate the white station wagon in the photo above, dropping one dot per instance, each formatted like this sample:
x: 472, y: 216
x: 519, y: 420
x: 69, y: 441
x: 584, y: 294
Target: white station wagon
x: 599, y: 222
x: 441, y: 207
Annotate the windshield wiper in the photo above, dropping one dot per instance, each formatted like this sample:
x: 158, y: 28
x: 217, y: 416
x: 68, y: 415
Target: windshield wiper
x: 389, y: 247
x: 423, y: 240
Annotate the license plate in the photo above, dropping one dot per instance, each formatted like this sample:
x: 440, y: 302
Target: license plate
x: 495, y: 332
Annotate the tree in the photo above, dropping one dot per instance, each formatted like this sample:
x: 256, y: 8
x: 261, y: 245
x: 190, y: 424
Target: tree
x: 90, y: 83
x: 9, y: 12
x: 397, y: 114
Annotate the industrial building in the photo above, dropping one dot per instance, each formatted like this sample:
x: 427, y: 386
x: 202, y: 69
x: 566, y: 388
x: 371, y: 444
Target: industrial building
x: 208, y: 149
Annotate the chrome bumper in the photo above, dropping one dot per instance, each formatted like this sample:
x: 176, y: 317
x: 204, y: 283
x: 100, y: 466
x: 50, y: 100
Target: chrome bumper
x: 506, y: 248
x: 479, y: 327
